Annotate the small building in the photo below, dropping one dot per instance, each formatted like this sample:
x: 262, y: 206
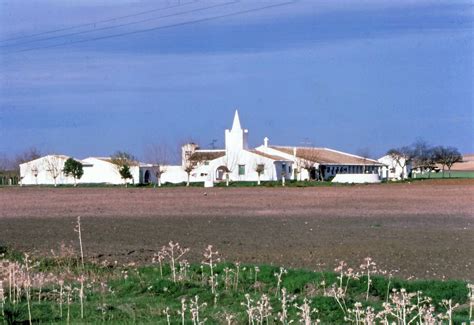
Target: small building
x: 47, y: 170
x: 393, y: 169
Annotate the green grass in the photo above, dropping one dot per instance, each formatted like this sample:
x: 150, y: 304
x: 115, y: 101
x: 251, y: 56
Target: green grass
x: 141, y: 294
x: 454, y: 174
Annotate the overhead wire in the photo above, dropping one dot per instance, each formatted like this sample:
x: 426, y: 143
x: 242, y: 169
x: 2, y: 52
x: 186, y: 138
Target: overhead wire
x: 96, y: 22
x: 122, y: 25
x: 200, y: 20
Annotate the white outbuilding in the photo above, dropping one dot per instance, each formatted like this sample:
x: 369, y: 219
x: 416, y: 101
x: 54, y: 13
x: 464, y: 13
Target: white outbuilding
x: 47, y: 170
x: 394, y: 169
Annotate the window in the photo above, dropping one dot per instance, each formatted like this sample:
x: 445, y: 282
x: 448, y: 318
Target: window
x: 241, y: 170
x: 206, y: 163
x: 283, y: 168
x: 290, y: 170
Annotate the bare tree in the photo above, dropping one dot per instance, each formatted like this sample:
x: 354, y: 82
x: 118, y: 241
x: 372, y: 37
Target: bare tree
x: 230, y: 163
x: 189, y: 166
x: 423, y: 156
x: 308, y: 165
x: 53, y: 167
x: 447, y: 156
x: 26, y: 156
x: 35, y: 172
x: 364, y: 152
x: 307, y: 158
x: 159, y: 155
x: 5, y: 163
x: 402, y: 156
x: 8, y: 171
x: 259, y: 168
x: 299, y: 163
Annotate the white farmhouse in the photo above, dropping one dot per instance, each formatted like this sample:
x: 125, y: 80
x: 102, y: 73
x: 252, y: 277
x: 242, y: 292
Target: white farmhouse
x: 237, y: 162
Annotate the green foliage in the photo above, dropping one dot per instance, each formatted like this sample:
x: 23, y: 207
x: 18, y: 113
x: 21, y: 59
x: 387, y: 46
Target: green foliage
x: 125, y: 172
x: 140, y: 294
x: 74, y: 168
x: 123, y: 160
x: 8, y: 253
x: 291, y: 183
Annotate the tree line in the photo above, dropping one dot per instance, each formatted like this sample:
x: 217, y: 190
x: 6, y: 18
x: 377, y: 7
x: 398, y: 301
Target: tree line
x: 426, y: 158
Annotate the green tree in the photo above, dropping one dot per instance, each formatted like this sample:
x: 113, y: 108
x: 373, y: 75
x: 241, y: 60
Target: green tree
x: 123, y: 161
x: 125, y: 173
x: 73, y: 168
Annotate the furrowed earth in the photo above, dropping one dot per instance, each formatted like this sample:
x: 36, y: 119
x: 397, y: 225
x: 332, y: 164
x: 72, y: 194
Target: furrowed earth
x: 423, y: 229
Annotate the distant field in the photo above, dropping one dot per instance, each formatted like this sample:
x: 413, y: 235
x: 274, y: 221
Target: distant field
x: 424, y: 228
x: 454, y: 174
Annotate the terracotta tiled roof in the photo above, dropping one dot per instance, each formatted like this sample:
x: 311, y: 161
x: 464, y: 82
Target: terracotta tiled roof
x: 327, y: 156
x: 206, y: 155
x: 266, y: 155
x: 110, y: 160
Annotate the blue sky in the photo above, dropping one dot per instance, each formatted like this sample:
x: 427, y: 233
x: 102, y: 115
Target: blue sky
x: 340, y: 74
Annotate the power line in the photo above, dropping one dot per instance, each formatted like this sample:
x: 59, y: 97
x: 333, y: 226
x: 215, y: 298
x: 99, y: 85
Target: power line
x: 121, y: 25
x: 159, y: 27
x: 94, y: 23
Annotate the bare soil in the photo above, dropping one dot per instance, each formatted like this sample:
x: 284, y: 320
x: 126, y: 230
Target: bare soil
x: 424, y: 229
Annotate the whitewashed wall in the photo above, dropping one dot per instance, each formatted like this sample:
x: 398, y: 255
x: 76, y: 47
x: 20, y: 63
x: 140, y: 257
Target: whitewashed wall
x: 104, y: 172
x: 44, y: 177
x: 173, y: 174
x: 356, y: 178
x: 393, y: 171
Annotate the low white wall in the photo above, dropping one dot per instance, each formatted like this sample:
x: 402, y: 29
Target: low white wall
x: 356, y: 178
x: 174, y: 174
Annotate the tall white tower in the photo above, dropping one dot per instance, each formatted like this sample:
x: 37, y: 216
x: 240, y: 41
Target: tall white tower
x: 236, y: 138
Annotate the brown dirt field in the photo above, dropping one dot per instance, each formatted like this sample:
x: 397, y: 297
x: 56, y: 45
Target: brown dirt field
x: 424, y: 229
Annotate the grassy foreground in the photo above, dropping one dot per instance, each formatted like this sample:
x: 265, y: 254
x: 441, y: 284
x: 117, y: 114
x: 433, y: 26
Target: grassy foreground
x: 171, y: 291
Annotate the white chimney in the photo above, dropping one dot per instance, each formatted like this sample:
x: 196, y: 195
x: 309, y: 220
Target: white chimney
x: 294, y: 152
x: 265, y: 142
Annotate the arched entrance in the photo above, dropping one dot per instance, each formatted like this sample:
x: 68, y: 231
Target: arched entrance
x: 313, y: 173
x: 146, y: 177
x: 221, y: 171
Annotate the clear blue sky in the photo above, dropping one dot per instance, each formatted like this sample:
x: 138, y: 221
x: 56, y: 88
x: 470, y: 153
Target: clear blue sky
x: 341, y: 74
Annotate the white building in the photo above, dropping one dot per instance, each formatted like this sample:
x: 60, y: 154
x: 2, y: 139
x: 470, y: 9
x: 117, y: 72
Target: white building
x: 45, y: 170
x: 237, y: 162
x: 48, y: 170
x: 393, y: 170
x: 101, y: 170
